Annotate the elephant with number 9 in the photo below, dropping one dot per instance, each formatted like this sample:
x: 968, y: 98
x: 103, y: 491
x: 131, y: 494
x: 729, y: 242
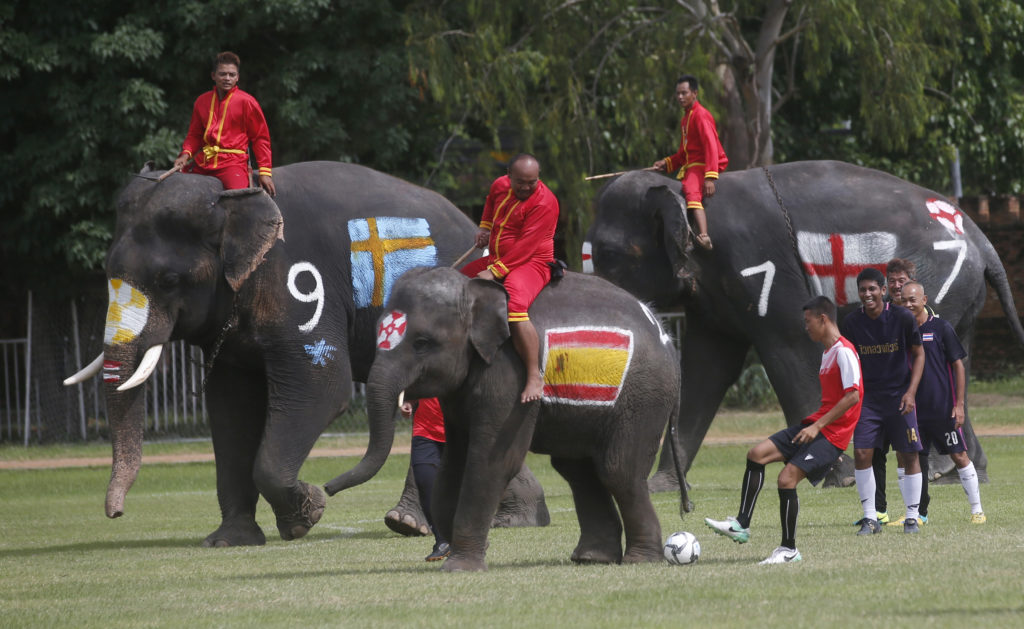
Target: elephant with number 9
x: 610, y: 389
x: 282, y: 295
x: 783, y: 234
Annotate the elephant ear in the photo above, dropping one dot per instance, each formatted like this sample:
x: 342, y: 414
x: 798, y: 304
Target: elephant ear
x: 488, y: 327
x: 252, y: 224
x: 669, y: 208
x: 148, y: 167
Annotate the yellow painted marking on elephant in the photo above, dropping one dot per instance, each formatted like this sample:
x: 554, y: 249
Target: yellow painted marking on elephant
x: 587, y: 364
x: 378, y: 248
x: 127, y: 313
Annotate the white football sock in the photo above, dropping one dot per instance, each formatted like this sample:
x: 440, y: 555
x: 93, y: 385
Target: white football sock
x: 866, y: 490
x: 969, y: 479
x: 901, y: 474
x: 911, y: 491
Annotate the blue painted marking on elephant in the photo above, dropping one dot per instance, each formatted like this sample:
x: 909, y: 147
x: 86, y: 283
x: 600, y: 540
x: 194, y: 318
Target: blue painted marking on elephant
x: 832, y: 261
x: 383, y: 248
x: 320, y: 352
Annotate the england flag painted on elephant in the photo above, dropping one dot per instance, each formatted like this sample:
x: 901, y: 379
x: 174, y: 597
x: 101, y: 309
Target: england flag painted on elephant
x: 383, y: 248
x: 585, y: 366
x: 832, y: 261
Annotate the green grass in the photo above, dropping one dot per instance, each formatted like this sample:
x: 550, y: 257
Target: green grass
x: 62, y: 563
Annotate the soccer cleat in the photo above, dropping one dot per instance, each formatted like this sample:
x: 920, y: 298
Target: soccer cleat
x: 883, y: 517
x: 782, y: 555
x: 730, y: 528
x: 442, y: 551
x: 869, y: 527
x: 910, y: 526
x: 921, y: 519
x: 978, y: 518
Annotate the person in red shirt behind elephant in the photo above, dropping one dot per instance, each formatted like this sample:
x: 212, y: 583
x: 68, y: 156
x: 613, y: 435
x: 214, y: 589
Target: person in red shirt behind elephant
x: 700, y: 158
x: 518, y: 228
x: 224, y: 121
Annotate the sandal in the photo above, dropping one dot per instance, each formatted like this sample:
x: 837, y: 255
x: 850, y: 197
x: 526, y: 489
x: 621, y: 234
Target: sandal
x: 704, y: 241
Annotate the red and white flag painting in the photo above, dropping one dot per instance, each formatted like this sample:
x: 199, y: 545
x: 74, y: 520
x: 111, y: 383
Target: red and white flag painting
x: 586, y: 366
x: 946, y: 215
x: 832, y: 261
x: 391, y: 330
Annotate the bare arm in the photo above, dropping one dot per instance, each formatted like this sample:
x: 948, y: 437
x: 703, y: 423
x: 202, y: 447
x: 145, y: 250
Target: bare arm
x: 960, y: 374
x: 845, y: 403
x: 908, y: 403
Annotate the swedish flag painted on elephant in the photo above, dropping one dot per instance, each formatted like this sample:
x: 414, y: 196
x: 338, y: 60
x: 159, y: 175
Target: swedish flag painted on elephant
x: 383, y: 248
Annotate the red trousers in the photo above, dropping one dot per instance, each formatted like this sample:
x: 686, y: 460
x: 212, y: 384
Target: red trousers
x: 693, y: 188
x: 233, y: 176
x: 522, y: 284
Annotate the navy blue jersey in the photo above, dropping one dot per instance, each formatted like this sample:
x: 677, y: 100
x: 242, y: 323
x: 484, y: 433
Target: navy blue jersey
x: 942, y: 348
x: 883, y: 345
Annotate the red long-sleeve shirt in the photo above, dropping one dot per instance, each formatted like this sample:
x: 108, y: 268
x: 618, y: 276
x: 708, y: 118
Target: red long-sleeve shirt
x: 227, y: 127
x: 520, y: 230
x: 699, y: 146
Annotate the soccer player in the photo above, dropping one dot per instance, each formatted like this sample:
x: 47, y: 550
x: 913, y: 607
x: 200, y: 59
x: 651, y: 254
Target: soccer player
x: 810, y: 448
x: 889, y: 346
x: 940, y: 406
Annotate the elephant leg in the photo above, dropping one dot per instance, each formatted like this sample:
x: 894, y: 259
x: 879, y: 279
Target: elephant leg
x: 600, y: 527
x: 292, y: 428
x: 522, y: 503
x: 236, y: 422
x: 711, y: 362
x: 407, y: 517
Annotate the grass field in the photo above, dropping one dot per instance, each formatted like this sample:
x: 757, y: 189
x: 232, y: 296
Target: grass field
x: 62, y: 563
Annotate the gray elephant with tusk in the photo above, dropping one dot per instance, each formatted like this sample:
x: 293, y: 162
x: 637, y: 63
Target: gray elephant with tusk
x: 610, y: 389
x: 282, y: 295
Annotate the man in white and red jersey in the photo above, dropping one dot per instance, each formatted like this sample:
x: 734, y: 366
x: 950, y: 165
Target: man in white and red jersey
x: 810, y: 448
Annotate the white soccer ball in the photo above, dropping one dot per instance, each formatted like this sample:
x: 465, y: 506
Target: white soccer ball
x: 682, y: 548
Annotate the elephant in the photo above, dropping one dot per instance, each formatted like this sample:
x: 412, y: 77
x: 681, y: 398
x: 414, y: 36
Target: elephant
x: 783, y: 234
x: 282, y: 294
x: 610, y: 389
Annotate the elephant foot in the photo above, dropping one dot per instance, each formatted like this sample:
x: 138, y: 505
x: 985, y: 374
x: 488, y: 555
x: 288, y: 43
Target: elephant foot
x: 523, y: 503
x: 596, y: 555
x: 840, y: 474
x: 410, y: 524
x: 663, y: 480
x: 463, y: 563
x: 644, y: 555
x: 249, y: 534
x: 953, y: 477
x: 311, y: 509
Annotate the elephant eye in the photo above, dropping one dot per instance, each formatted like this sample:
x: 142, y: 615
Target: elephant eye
x: 422, y: 344
x: 168, y: 281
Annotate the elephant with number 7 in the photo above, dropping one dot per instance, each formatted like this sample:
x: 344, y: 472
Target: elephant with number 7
x: 783, y: 234
x: 282, y: 294
x: 610, y: 389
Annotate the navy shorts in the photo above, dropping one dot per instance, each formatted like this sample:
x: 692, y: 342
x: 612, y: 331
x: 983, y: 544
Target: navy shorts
x: 814, y: 458
x: 943, y: 435
x: 874, y: 427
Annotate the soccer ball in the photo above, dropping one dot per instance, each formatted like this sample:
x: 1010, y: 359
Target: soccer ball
x: 682, y: 548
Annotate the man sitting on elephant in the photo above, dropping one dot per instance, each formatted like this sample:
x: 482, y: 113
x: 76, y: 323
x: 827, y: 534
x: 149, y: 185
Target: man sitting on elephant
x: 224, y: 121
x: 518, y: 227
x: 700, y: 158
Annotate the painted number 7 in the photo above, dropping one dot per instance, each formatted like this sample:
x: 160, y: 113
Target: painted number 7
x: 943, y: 245
x: 768, y: 268
x: 317, y: 294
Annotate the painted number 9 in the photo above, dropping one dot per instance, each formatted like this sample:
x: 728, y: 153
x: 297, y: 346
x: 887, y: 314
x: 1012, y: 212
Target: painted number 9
x: 317, y: 294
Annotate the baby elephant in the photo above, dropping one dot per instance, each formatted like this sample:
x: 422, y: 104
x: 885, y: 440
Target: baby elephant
x: 611, y: 385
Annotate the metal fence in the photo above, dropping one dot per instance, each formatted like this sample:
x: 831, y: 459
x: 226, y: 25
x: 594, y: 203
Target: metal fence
x: 63, y: 338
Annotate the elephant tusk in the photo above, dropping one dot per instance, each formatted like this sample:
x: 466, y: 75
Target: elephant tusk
x: 146, y: 367
x: 401, y: 398
x: 90, y: 370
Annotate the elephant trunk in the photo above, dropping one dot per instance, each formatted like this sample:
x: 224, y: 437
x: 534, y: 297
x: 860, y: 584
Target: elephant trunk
x: 126, y: 411
x: 382, y: 395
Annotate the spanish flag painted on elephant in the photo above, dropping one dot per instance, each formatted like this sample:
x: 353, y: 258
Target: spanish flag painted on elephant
x: 383, y: 248
x: 585, y: 366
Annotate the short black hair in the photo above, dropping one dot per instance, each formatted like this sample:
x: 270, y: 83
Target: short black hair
x: 688, y: 78
x: 871, y: 273
x: 226, y: 58
x: 822, y: 305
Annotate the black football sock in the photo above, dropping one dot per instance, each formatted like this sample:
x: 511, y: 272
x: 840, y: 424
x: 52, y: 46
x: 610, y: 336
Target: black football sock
x: 789, y: 509
x: 753, y: 480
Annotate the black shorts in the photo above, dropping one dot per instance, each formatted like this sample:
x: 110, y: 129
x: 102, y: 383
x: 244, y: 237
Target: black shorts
x: 814, y: 458
x: 426, y: 451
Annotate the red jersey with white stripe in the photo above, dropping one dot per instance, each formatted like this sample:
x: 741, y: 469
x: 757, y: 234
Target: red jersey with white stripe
x: 839, y: 373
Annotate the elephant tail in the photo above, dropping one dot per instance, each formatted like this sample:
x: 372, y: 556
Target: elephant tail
x: 996, y: 276
x: 685, y: 505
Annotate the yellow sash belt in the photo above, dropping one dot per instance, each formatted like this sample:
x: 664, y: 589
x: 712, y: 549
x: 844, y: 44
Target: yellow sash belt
x: 210, y: 151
